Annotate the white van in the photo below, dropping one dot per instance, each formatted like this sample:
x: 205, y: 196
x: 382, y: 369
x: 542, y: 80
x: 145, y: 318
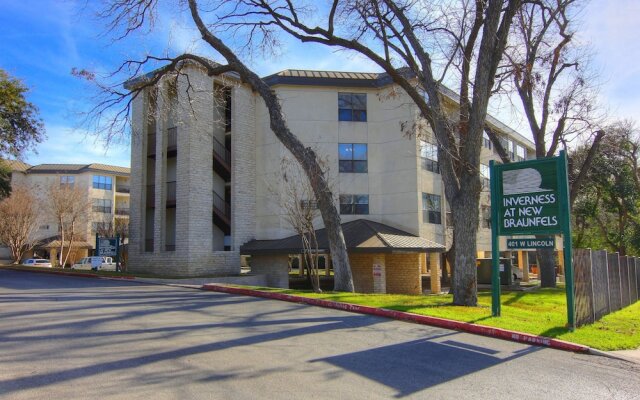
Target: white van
x: 95, y: 263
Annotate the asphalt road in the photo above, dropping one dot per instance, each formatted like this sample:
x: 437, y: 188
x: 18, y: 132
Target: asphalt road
x: 78, y: 338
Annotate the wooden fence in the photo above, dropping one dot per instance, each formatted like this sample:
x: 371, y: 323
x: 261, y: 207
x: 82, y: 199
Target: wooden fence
x: 604, y: 283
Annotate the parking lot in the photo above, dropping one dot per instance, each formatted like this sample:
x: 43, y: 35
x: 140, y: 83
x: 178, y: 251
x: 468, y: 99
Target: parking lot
x: 67, y: 337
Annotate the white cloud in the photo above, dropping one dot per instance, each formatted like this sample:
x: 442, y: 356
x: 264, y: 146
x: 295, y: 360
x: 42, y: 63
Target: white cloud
x: 65, y: 145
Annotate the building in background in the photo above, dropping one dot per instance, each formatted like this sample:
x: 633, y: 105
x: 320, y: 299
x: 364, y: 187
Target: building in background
x: 107, y: 190
x: 206, y: 174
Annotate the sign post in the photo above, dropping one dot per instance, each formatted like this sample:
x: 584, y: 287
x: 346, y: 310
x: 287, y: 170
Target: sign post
x: 531, y: 198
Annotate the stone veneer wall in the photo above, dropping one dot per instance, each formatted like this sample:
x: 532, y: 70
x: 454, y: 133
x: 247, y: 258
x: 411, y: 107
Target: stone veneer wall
x: 243, y: 166
x: 403, y: 273
x: 194, y: 254
x: 362, y: 271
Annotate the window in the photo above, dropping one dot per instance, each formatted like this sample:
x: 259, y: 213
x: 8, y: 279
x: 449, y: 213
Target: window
x: 102, y: 206
x: 521, y: 153
x: 431, y: 208
x: 352, y: 107
x: 353, y: 157
x: 44, y: 227
x: 486, y: 140
x: 485, y: 176
x: 354, y: 204
x: 429, y: 155
x: 67, y: 181
x: 309, y: 204
x: 102, y: 182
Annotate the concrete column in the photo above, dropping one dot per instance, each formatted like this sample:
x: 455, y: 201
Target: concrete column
x: 137, y: 206
x: 379, y: 274
x: 274, y: 267
x: 434, y: 265
x: 164, y: 108
x: 243, y: 166
x: 523, y: 261
x: 194, y: 169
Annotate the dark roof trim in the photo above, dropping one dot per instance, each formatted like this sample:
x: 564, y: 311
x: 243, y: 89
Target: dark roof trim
x: 369, y: 250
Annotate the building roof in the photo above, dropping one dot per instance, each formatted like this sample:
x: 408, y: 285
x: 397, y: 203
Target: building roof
x: 347, y: 79
x: 17, y: 165
x: 75, y: 244
x: 360, y: 235
x: 67, y: 168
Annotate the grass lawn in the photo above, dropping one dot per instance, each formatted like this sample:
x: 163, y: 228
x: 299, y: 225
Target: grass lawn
x: 540, y: 311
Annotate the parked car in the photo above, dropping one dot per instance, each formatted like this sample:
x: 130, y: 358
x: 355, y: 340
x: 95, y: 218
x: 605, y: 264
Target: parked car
x: 37, y: 262
x: 95, y: 263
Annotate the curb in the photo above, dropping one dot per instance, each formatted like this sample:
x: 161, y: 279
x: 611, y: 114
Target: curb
x: 499, y: 333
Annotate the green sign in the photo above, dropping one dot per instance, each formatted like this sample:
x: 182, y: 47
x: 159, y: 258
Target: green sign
x: 107, y: 247
x: 528, y: 198
x: 542, y: 243
x: 531, y: 198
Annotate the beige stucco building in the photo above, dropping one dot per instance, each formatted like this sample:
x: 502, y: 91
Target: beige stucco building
x: 107, y: 190
x: 207, y: 169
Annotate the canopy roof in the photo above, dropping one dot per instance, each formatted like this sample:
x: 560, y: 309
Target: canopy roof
x: 360, y: 235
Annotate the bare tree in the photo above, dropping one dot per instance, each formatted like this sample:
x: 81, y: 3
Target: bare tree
x: 552, y: 80
x: 419, y: 45
x: 300, y: 207
x: 127, y: 16
x: 70, y: 206
x: 19, y: 214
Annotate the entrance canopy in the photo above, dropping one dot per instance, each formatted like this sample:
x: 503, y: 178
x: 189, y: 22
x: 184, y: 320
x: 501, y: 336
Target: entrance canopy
x: 361, y: 235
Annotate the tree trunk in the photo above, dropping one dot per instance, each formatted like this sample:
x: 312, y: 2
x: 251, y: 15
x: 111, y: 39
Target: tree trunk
x: 464, y: 208
x: 343, y: 280
x: 305, y: 156
x: 451, y: 259
x: 546, y: 267
x: 61, y: 243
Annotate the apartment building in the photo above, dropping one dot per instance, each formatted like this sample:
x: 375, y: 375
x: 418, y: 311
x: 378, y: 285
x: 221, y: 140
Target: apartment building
x: 107, y: 189
x: 206, y: 174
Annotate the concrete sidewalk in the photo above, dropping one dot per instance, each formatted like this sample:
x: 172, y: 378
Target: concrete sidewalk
x: 629, y: 355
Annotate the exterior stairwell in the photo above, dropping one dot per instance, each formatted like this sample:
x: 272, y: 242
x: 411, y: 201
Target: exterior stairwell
x: 221, y: 160
x: 222, y: 167
x: 221, y: 213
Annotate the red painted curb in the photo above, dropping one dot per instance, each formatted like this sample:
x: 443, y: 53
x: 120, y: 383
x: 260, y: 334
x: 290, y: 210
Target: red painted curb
x: 500, y: 333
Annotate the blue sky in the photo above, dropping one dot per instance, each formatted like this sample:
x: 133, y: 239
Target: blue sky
x: 42, y: 40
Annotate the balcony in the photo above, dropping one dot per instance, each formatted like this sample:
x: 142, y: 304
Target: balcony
x: 122, y: 212
x: 221, y: 160
x: 123, y: 189
x: 172, y: 141
x: 171, y: 194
